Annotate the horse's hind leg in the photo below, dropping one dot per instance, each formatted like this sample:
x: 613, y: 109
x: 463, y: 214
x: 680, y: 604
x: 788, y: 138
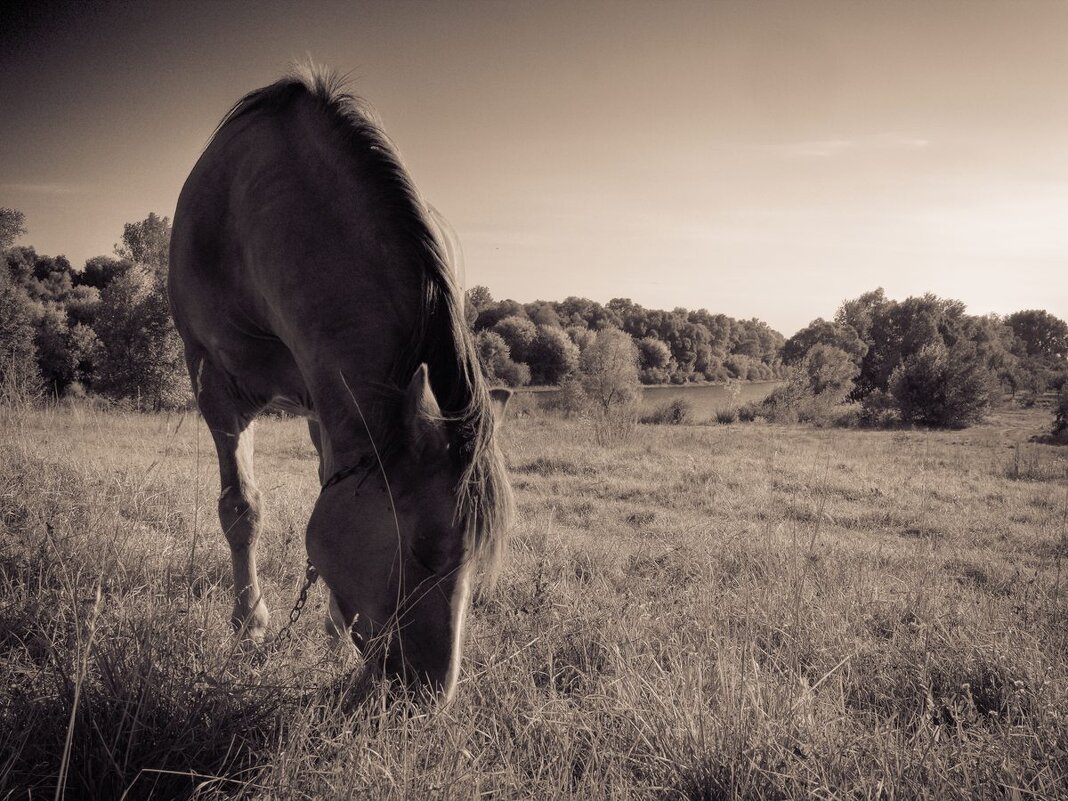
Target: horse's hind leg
x: 240, y: 507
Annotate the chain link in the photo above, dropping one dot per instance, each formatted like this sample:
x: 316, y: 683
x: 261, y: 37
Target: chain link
x: 310, y: 576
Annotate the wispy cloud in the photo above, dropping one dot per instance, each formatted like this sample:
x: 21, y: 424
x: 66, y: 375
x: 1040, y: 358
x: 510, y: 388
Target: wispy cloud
x: 820, y: 148
x: 825, y: 148
x: 44, y: 188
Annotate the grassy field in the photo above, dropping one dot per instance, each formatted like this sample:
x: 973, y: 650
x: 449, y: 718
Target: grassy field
x: 705, y: 612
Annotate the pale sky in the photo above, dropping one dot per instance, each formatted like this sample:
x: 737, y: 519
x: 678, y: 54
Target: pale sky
x: 757, y: 159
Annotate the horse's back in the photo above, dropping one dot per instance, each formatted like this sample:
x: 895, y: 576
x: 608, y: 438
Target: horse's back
x: 277, y: 256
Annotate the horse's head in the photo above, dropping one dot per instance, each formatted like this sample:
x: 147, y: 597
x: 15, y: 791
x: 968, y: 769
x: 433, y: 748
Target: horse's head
x: 392, y: 544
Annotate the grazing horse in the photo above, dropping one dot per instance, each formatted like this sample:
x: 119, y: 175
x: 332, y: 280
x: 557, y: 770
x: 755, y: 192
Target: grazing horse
x: 307, y: 274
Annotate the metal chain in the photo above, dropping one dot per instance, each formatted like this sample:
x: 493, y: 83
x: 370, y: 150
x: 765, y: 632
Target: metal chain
x: 310, y: 576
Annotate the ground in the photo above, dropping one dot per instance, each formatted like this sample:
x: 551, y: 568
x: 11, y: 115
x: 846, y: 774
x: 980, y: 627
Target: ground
x: 703, y: 612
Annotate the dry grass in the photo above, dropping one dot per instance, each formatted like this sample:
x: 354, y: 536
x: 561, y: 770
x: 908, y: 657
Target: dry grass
x: 747, y: 611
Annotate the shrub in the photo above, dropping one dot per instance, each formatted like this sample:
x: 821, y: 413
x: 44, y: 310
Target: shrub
x: 878, y: 410
x: 571, y: 398
x: 748, y: 412
x: 1060, y: 412
x: 727, y: 415
x: 514, y: 374
x: 523, y: 404
x: 615, y: 425
x: 782, y: 405
x: 943, y: 387
x: 672, y: 413
x: 814, y: 388
x: 847, y: 417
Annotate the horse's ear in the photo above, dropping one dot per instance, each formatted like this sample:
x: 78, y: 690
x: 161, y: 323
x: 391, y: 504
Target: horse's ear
x: 422, y: 416
x: 500, y: 397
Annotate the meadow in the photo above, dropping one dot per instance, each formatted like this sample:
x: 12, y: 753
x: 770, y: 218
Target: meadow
x: 702, y: 612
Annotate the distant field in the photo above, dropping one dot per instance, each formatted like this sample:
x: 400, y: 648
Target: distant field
x: 706, y: 612
x: 706, y: 399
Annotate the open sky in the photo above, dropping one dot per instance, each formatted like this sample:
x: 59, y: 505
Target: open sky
x: 757, y: 159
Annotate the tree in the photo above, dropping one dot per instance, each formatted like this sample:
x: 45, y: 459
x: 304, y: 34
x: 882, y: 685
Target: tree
x: 475, y: 299
x: 147, y: 242
x: 99, y: 271
x: 829, y: 371
x: 609, y: 369
x: 581, y: 336
x: 140, y: 352
x: 1040, y: 334
x: 941, y: 386
x: 492, y: 314
x: 496, y: 360
x: 12, y: 226
x: 756, y: 339
x: 56, y: 357
x: 654, y: 360
x: 19, y: 376
x: 478, y: 298
x: 519, y: 333
x: 552, y: 356
x: 858, y: 313
x: 822, y: 332
x: 541, y: 312
x: 582, y: 311
x: 19, y: 262
x: 994, y: 340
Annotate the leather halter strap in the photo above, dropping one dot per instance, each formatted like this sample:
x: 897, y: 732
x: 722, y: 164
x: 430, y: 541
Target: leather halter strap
x: 365, y: 465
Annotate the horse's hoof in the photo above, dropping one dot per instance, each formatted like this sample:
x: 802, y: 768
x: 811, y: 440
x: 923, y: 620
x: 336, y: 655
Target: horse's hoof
x: 251, y: 626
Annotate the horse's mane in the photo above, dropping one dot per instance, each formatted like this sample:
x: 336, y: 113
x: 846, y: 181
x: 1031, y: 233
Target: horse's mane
x: 440, y: 338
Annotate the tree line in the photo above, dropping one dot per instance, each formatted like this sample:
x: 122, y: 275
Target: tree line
x: 541, y: 342
x: 104, y: 328
x: 921, y: 360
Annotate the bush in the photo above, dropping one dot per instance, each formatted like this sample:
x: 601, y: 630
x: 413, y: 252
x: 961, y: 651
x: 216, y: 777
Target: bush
x: 1060, y: 412
x: 748, y: 412
x: 523, y: 404
x: 782, y: 405
x: 942, y: 387
x: 616, y: 425
x: 571, y: 398
x: 514, y: 374
x: 672, y: 413
x: 727, y: 416
x: 878, y: 410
